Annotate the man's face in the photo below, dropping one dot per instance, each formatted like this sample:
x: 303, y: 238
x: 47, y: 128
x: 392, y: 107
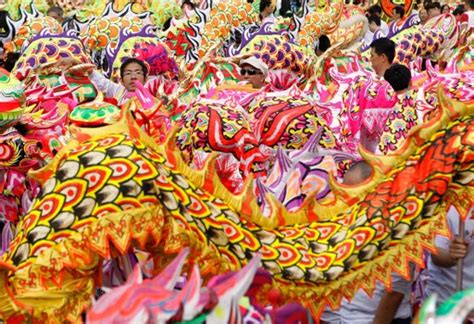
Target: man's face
x: 376, y: 60
x: 269, y: 10
x: 355, y: 175
x: 373, y: 27
x: 56, y: 16
x: 423, y: 15
x: 433, y: 12
x: 252, y: 75
x: 395, y: 15
x: 133, y: 72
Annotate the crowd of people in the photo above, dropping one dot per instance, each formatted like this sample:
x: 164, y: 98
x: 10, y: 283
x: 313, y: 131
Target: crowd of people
x: 463, y: 12
x: 395, y: 305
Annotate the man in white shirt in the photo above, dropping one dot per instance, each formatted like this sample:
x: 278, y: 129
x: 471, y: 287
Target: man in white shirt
x: 382, y: 54
x: 376, y: 10
x: 374, y: 26
x: 131, y: 71
x: 383, y: 306
x: 434, y: 9
x: 363, y: 309
x: 267, y: 9
x: 442, y: 266
x: 469, y: 14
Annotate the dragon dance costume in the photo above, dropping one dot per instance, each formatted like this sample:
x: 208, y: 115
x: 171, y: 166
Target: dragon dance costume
x: 230, y: 193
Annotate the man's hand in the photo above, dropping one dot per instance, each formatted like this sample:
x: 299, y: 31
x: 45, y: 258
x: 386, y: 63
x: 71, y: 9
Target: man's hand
x: 458, y: 248
x: 448, y: 257
x: 67, y: 62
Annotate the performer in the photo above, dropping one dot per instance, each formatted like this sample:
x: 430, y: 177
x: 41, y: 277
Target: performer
x: 376, y: 10
x: 56, y: 13
x: 267, y: 9
x: 383, y: 306
x: 382, y: 53
x: 442, y: 265
x: 434, y: 9
x: 254, y: 71
x: 131, y: 71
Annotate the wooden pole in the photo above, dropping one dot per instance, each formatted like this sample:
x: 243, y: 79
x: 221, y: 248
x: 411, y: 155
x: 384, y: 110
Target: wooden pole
x: 460, y: 265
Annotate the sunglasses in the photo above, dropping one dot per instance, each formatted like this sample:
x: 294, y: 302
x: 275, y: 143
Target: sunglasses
x: 249, y: 72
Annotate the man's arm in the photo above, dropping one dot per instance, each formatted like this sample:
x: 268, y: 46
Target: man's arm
x: 109, y: 88
x: 448, y: 258
x: 391, y: 300
x: 388, y: 307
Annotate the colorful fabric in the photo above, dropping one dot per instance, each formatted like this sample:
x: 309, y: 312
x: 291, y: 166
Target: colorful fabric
x: 160, y: 300
x: 48, y: 49
x: 267, y: 197
x: 400, y: 121
x: 94, y: 114
x: 418, y: 43
x: 389, y: 5
x: 270, y: 122
x: 275, y: 50
x: 162, y: 10
x: 222, y: 18
x: 31, y: 29
x: 14, y: 7
x: 11, y: 92
x: 358, y: 109
x: 105, y: 32
x: 147, y: 49
x: 114, y: 189
x: 317, y: 24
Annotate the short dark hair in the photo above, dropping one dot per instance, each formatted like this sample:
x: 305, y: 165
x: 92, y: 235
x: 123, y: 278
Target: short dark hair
x: 399, y: 77
x: 426, y: 4
x: 384, y: 46
x: 264, y: 4
x: 399, y: 10
x: 323, y: 44
x: 434, y: 5
x: 167, y: 24
x: 357, y: 173
x: 375, y: 10
x: 10, y: 60
x: 57, y: 10
x: 130, y: 61
x: 459, y: 10
x: 470, y: 3
x: 189, y: 3
x: 375, y: 19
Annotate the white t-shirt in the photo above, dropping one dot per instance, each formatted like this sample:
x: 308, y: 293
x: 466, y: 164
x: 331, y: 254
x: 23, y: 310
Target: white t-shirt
x: 384, y: 27
x: 470, y: 16
x: 111, y: 89
x: 443, y: 280
x: 368, y: 38
x: 269, y: 19
x: 362, y: 309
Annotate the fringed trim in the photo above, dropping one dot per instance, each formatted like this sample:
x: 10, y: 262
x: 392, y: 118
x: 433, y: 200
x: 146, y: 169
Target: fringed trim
x: 410, y: 249
x: 60, y: 282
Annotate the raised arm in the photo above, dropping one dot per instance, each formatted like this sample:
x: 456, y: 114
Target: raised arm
x: 108, y: 87
x: 104, y: 85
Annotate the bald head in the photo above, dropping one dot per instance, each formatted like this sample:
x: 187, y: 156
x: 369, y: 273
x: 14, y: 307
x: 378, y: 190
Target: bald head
x: 357, y: 173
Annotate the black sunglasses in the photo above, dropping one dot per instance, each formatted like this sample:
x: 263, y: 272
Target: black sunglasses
x: 249, y: 72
